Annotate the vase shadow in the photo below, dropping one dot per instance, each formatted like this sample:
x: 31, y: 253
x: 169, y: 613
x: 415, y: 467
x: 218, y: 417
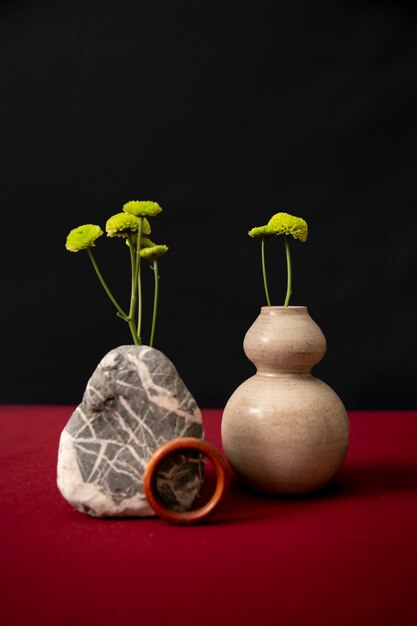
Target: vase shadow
x: 355, y: 480
x: 377, y: 477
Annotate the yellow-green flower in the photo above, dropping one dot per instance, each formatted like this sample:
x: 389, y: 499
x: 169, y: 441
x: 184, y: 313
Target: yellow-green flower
x: 286, y: 224
x: 121, y: 224
x: 142, y: 208
x: 146, y: 227
x: 83, y: 237
x: 261, y: 231
x: 144, y: 242
x: 153, y: 252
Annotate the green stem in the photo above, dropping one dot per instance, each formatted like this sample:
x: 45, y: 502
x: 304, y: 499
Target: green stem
x: 289, y: 271
x: 155, y: 301
x: 133, y: 297
x: 268, y: 299
x: 106, y: 289
x: 138, y: 280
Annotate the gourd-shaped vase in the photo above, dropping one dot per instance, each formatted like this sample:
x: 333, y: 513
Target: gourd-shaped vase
x: 283, y: 430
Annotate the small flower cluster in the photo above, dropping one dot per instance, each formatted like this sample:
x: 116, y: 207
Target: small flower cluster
x: 280, y: 224
x: 131, y: 224
x: 135, y: 213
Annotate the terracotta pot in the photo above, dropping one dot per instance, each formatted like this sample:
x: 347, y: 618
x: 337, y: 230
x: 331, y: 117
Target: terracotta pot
x: 283, y: 430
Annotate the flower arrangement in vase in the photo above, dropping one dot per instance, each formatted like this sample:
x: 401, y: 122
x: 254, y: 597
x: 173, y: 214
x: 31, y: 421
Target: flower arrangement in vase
x: 134, y: 402
x: 284, y: 431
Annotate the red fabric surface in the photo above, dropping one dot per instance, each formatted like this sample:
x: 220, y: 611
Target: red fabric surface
x: 342, y: 557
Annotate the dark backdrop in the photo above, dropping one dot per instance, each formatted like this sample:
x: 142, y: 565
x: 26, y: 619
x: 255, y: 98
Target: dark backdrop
x: 224, y: 112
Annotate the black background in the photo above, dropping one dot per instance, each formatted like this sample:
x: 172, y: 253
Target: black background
x: 225, y: 113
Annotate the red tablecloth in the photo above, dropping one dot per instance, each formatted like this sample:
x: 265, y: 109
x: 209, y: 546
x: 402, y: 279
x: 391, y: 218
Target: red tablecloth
x: 347, y: 556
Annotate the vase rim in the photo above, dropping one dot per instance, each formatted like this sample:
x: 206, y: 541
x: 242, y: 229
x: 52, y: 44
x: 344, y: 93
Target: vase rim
x: 272, y: 309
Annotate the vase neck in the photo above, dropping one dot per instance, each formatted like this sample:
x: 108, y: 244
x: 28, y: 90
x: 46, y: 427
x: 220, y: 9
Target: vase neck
x: 284, y: 340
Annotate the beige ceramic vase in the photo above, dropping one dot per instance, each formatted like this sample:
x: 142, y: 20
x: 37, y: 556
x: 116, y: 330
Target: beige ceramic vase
x: 283, y: 430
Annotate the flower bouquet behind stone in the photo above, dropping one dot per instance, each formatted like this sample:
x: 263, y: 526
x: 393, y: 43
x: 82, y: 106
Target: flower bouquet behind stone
x: 134, y: 402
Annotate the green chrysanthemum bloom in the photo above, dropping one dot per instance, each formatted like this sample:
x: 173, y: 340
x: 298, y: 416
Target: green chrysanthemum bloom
x: 286, y: 224
x: 144, y: 242
x: 83, y: 237
x: 146, y: 227
x: 153, y: 252
x: 121, y: 224
x: 142, y: 208
x: 261, y: 231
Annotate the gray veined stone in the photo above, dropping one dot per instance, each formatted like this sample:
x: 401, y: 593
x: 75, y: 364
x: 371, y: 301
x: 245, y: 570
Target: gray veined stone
x: 134, y: 402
